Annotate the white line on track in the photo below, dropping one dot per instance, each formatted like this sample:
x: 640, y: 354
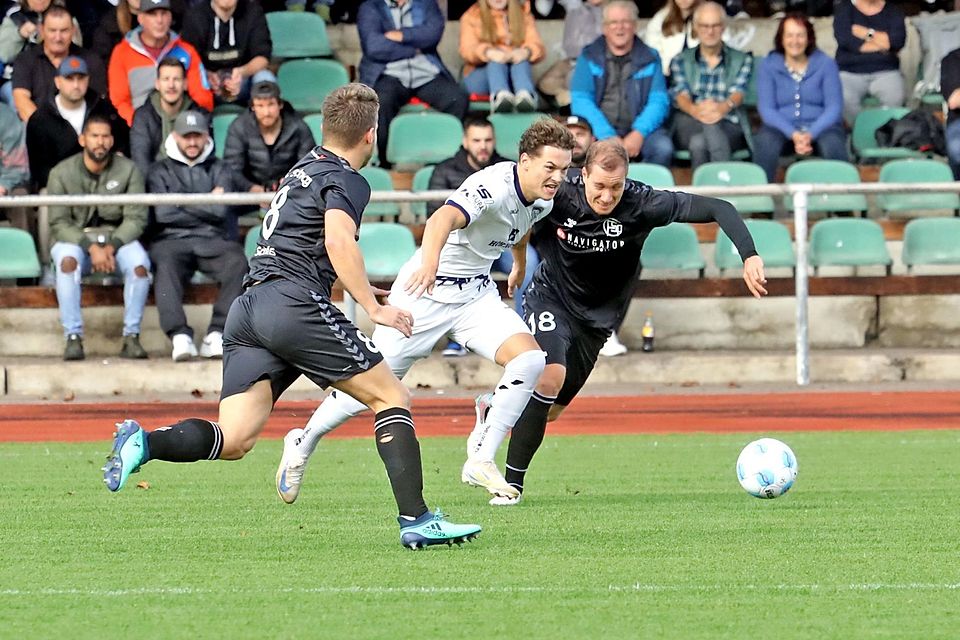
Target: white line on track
x: 636, y: 587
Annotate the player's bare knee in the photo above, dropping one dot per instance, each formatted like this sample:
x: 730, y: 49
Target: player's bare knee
x: 236, y: 449
x: 140, y: 271
x: 551, y: 381
x: 68, y: 265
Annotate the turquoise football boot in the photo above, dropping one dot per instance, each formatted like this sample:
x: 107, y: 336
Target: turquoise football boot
x: 128, y: 454
x: 432, y: 528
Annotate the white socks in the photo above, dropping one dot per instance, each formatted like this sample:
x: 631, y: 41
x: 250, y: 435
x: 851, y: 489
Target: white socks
x: 336, y: 409
x: 520, y: 376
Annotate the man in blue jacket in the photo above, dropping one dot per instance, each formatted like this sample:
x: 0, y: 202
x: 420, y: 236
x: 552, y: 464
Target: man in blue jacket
x: 399, y: 40
x: 619, y: 88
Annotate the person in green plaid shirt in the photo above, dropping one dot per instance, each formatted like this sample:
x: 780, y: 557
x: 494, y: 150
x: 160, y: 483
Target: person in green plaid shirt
x: 708, y: 84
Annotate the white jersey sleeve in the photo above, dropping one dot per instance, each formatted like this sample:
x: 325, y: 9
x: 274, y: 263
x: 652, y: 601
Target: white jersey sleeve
x: 480, y: 193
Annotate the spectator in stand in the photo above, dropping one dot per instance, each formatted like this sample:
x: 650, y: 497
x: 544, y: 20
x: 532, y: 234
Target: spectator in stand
x: 869, y: 37
x: 114, y: 25
x: 189, y: 238
x: 619, y: 88
x: 53, y: 129
x: 582, y: 25
x: 234, y: 41
x: 399, y: 40
x: 153, y: 121
x: 21, y: 29
x: 264, y: 142
x: 134, y: 61
x: 670, y: 30
x: 14, y: 169
x: 477, y: 151
x: 950, y: 87
x: 99, y: 238
x: 799, y: 98
x: 36, y: 68
x: 499, y: 43
x: 708, y: 84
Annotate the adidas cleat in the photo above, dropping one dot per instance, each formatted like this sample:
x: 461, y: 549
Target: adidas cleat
x: 129, y: 452
x: 484, y: 473
x: 292, y: 466
x: 432, y: 528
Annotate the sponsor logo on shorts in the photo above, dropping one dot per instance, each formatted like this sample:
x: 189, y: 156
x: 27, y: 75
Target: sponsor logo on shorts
x: 264, y: 251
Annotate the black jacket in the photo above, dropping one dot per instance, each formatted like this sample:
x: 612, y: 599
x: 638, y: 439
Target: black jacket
x: 254, y: 162
x: 174, y: 175
x: 244, y: 37
x: 950, y: 80
x: 50, y: 138
x: 147, y: 133
x: 451, y: 173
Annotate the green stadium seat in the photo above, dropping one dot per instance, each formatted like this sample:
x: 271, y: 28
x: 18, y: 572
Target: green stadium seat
x: 864, y: 135
x: 508, y: 127
x: 931, y: 241
x: 816, y: 170
x: 735, y: 174
x: 917, y: 170
x: 379, y: 180
x: 298, y: 34
x: 852, y: 242
x: 421, y: 182
x: 315, y: 122
x: 18, y: 255
x: 250, y: 242
x: 423, y: 138
x: 674, y: 246
x: 221, y: 125
x: 386, y: 246
x: 654, y: 175
x: 305, y: 83
x: 773, y: 244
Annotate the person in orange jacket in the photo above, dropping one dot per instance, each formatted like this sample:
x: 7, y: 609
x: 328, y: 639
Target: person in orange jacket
x: 499, y: 43
x: 133, y: 63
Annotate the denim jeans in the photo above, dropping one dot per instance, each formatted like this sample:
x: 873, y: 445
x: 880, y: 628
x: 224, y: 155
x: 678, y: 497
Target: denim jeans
x: 504, y: 264
x: 953, y: 147
x: 135, y: 288
x: 494, y: 77
x: 769, y: 144
x: 657, y: 148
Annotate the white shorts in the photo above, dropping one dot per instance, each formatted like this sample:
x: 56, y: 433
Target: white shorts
x: 482, y: 325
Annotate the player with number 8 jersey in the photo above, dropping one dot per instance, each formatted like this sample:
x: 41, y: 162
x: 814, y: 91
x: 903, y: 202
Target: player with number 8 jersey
x: 447, y: 287
x: 284, y: 325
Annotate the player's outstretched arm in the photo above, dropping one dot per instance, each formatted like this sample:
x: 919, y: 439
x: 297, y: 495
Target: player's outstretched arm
x: 340, y: 242
x: 704, y: 209
x: 435, y: 234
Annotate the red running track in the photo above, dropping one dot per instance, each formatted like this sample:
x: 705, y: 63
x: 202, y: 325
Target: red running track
x: 608, y: 415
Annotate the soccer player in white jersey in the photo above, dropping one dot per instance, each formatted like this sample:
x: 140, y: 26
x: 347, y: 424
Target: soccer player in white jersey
x: 446, y: 286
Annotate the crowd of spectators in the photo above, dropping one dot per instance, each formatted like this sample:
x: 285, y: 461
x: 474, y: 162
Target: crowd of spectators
x: 89, y: 85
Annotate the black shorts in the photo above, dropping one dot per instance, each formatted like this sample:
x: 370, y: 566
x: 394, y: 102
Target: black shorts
x: 567, y: 340
x: 279, y: 330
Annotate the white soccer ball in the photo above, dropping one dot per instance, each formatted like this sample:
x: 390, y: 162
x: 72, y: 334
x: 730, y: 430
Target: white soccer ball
x: 766, y: 468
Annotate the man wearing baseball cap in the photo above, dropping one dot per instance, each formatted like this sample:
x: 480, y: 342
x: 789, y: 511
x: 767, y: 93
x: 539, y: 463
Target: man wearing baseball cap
x: 53, y: 129
x: 134, y: 61
x: 193, y: 237
x: 583, y: 135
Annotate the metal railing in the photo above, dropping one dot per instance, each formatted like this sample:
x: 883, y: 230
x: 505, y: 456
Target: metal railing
x: 800, y: 193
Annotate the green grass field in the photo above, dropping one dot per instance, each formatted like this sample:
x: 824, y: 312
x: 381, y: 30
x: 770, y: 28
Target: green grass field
x: 619, y: 537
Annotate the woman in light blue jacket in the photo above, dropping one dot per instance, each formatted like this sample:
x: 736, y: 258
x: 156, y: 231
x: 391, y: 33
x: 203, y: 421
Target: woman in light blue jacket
x: 800, y: 99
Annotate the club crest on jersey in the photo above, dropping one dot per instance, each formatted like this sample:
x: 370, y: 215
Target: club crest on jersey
x: 612, y: 227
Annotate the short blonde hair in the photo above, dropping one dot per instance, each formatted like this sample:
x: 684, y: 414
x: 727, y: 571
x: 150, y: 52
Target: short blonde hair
x: 348, y: 113
x: 609, y: 155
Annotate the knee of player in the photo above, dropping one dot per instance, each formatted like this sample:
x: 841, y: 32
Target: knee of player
x: 68, y: 265
x: 528, y: 365
x: 236, y: 449
x: 551, y: 381
x: 140, y: 271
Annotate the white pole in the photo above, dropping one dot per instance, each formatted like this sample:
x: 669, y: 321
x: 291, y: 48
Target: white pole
x: 800, y: 199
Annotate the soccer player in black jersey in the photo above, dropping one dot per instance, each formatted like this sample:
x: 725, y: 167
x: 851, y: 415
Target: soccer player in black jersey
x: 284, y: 326
x: 590, y: 245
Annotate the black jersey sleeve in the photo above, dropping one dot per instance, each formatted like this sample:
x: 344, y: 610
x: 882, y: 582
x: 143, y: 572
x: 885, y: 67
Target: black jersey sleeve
x: 704, y: 209
x: 349, y: 192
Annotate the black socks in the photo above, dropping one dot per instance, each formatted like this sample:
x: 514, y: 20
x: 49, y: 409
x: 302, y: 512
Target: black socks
x: 526, y: 438
x: 187, y: 441
x: 398, y: 448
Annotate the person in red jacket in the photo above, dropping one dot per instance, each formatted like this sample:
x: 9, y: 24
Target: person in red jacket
x: 133, y: 64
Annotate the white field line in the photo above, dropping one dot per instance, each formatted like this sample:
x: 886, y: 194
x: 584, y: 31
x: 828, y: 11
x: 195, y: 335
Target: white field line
x: 637, y: 587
